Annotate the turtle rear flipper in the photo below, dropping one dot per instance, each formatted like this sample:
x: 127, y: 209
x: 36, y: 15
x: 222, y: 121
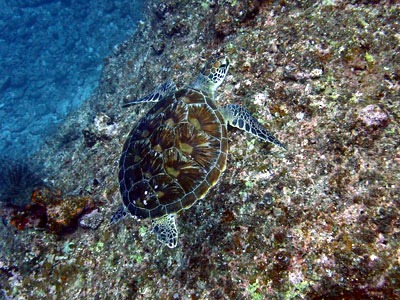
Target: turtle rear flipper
x: 240, y: 117
x: 160, y: 92
x: 165, y: 230
x: 118, y: 215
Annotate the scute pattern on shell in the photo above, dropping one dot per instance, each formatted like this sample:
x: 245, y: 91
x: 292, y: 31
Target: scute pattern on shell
x: 173, y: 156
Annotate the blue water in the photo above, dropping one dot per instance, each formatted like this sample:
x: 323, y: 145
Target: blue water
x: 51, y: 55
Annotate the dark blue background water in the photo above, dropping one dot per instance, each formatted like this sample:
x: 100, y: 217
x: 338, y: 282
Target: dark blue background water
x: 51, y: 55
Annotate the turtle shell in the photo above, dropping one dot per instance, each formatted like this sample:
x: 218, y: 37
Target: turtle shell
x: 173, y: 155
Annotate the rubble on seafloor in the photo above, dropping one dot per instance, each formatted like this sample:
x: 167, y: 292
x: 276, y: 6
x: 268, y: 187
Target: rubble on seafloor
x: 320, y: 221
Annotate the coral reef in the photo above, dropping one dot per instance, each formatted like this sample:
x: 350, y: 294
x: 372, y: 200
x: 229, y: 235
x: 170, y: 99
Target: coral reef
x: 320, y: 221
x: 52, y: 210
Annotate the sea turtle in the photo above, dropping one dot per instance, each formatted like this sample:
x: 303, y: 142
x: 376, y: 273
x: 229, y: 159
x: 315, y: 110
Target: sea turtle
x: 178, y: 150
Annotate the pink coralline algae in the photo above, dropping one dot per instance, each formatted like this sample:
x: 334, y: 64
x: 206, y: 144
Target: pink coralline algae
x: 374, y: 117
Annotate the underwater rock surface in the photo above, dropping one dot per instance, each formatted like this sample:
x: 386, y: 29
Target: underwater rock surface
x: 320, y: 221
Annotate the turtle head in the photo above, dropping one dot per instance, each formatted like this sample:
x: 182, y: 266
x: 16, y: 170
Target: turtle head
x: 212, y: 75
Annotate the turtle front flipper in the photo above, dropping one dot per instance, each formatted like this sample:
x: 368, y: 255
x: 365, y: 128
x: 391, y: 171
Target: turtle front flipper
x: 165, y: 230
x: 118, y: 215
x: 155, y: 96
x: 238, y: 116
